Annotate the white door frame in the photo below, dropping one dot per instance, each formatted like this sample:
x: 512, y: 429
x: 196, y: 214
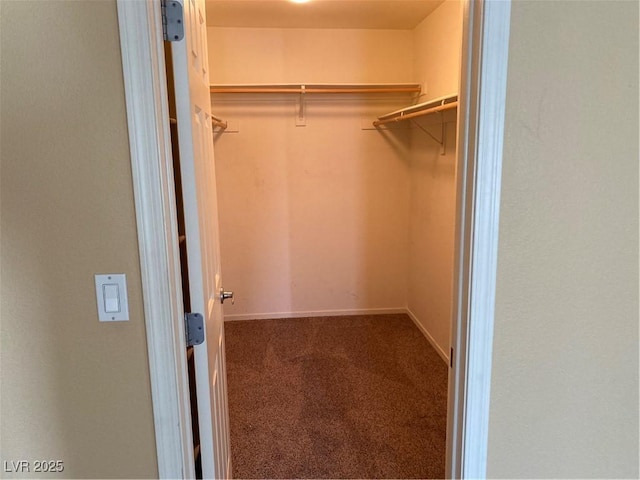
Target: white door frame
x: 141, y: 43
x: 481, y: 127
x: 483, y: 86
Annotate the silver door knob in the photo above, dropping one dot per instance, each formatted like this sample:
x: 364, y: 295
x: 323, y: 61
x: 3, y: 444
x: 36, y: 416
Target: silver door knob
x: 224, y: 295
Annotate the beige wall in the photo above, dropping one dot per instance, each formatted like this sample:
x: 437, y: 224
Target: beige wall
x: 564, y: 393
x: 312, y: 218
x: 271, y: 55
x: 437, y: 42
x: 73, y: 389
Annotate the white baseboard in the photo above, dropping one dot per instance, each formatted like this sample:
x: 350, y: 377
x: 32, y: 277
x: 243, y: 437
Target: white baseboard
x: 434, y: 344
x: 315, y: 313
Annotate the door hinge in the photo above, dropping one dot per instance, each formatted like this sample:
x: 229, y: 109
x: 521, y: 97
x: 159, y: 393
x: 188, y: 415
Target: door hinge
x: 194, y: 328
x: 172, y: 20
x: 451, y: 358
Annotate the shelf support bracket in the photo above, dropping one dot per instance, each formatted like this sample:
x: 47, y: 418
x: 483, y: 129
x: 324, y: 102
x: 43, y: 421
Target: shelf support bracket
x: 442, y: 141
x: 301, y: 121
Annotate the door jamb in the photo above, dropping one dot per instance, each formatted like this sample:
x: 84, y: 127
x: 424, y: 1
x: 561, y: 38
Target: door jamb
x: 481, y: 120
x: 141, y: 44
x: 483, y: 85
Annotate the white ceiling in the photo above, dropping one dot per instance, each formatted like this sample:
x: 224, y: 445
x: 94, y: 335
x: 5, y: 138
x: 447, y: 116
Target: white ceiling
x: 368, y: 14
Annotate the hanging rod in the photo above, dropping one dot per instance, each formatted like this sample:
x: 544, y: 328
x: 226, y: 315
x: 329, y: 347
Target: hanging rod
x: 319, y: 88
x: 218, y: 122
x: 418, y: 110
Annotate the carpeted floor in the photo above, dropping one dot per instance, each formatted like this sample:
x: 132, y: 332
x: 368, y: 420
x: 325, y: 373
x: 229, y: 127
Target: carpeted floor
x: 335, y: 397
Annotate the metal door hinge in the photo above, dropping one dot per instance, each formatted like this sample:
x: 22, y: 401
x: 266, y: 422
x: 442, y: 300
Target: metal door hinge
x: 451, y: 358
x: 172, y: 20
x: 194, y: 328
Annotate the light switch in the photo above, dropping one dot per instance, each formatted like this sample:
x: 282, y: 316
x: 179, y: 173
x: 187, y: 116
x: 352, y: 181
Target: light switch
x: 111, y: 297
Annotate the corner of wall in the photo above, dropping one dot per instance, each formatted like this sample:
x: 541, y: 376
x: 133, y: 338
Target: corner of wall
x: 437, y: 41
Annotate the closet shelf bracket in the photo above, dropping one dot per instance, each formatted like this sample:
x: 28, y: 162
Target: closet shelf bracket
x: 442, y: 141
x: 218, y: 122
x: 301, y: 121
x: 437, y: 106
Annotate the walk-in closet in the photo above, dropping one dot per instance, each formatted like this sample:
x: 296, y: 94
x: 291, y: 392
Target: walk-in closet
x: 334, y: 138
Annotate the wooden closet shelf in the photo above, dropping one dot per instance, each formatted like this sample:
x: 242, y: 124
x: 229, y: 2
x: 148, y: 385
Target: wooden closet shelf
x: 419, y: 110
x: 319, y: 88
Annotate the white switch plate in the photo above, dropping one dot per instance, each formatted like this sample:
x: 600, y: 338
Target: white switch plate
x: 111, y: 296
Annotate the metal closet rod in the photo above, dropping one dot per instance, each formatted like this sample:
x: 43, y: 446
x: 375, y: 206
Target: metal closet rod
x: 319, y: 88
x: 416, y: 111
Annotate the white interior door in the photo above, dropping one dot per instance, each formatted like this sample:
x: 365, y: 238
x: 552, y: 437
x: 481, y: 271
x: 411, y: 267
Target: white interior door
x: 193, y: 108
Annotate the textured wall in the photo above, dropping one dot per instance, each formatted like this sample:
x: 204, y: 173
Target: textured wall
x: 564, y: 394
x: 73, y: 389
x: 437, y: 43
x: 312, y: 218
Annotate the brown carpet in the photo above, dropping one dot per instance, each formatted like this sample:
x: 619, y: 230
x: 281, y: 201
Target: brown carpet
x: 335, y: 397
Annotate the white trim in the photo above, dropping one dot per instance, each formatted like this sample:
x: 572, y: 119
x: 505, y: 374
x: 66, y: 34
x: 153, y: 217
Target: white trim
x: 229, y: 470
x: 481, y: 133
x: 149, y: 138
x: 313, y: 313
x: 428, y: 336
x: 493, y: 81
